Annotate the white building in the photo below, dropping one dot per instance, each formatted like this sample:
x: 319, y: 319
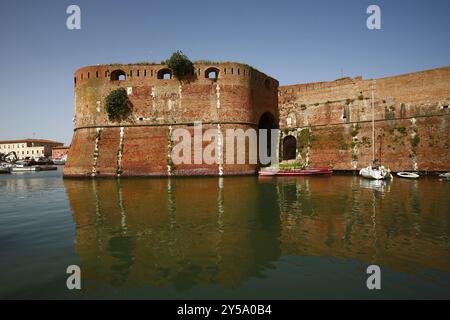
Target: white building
x: 31, y: 148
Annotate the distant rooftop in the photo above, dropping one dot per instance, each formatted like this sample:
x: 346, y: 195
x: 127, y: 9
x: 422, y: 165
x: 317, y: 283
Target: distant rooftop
x: 30, y: 141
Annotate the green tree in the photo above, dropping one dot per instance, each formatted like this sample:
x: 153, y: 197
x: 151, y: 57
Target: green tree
x: 117, y: 105
x: 180, y: 64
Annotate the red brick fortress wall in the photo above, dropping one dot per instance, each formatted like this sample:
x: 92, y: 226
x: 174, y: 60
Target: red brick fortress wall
x: 332, y: 121
x: 141, y: 145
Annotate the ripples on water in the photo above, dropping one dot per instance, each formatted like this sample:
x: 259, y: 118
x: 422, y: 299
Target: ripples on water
x: 233, y: 237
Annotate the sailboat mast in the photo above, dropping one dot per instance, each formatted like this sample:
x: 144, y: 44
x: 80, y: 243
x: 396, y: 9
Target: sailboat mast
x: 373, y: 120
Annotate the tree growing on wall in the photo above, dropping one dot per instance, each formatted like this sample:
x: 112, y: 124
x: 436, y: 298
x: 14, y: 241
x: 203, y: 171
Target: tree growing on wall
x: 117, y: 105
x: 180, y: 64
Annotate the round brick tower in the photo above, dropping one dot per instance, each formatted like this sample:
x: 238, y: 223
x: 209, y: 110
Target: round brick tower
x: 220, y: 96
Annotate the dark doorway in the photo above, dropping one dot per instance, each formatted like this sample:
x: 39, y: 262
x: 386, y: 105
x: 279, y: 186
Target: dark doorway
x: 289, y: 148
x: 267, y: 121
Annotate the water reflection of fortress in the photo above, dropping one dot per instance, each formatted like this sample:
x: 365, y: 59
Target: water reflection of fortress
x: 154, y: 232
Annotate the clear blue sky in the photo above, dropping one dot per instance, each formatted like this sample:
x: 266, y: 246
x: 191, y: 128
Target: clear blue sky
x: 293, y: 41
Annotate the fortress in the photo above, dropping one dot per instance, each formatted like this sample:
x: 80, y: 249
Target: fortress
x: 322, y: 124
x: 221, y: 96
x: 330, y: 123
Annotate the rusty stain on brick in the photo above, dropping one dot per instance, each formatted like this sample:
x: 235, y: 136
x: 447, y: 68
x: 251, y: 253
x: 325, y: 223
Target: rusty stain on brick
x: 98, y: 132
x: 119, y: 153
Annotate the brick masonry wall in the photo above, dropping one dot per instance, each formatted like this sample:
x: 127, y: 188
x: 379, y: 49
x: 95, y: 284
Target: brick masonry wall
x: 332, y: 121
x: 141, y: 145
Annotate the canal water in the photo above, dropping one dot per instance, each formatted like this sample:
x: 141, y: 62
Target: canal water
x: 230, y: 238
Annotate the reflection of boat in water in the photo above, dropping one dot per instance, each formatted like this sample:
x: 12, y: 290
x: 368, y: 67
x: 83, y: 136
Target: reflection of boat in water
x: 377, y: 185
x: 408, y: 175
x: 294, y: 172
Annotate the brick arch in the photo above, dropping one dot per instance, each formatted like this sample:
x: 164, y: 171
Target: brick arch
x: 117, y: 74
x: 213, y: 70
x: 162, y: 73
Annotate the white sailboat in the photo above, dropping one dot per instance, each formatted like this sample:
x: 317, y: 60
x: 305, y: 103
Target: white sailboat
x: 374, y: 171
x: 377, y: 173
x: 445, y: 176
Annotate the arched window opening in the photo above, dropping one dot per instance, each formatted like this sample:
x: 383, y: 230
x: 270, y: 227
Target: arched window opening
x: 165, y: 74
x: 118, y: 75
x: 267, y: 83
x: 212, y: 73
x: 289, y: 148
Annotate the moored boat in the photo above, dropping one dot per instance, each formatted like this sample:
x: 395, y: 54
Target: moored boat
x: 376, y: 173
x: 42, y: 161
x: 294, y: 172
x: 59, y: 162
x: 408, y: 175
x: 26, y: 169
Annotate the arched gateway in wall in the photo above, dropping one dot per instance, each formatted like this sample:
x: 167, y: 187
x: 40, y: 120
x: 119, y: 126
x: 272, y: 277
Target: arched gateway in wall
x: 268, y: 122
x: 289, y: 148
x: 220, y: 96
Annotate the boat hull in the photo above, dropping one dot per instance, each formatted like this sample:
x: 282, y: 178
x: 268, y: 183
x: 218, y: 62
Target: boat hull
x: 375, y: 174
x: 408, y: 175
x: 296, y: 172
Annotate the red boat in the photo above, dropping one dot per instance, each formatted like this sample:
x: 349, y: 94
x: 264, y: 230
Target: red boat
x: 294, y: 172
